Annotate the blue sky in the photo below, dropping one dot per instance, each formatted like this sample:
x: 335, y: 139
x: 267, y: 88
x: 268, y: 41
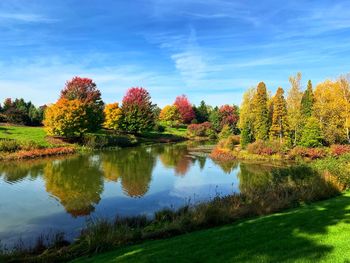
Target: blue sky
x: 206, y: 49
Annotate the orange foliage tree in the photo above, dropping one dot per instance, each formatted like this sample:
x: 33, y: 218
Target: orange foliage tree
x: 113, y: 114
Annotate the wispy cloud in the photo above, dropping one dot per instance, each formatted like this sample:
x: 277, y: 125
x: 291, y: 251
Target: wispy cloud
x: 28, y: 18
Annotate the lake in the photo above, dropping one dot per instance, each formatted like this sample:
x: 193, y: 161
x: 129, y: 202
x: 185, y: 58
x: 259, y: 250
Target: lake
x: 62, y: 193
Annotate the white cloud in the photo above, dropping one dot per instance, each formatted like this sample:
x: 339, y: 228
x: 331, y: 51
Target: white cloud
x: 22, y: 17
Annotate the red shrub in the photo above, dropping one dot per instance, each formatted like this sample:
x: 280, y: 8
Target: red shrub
x: 262, y: 148
x: 42, y: 153
x: 222, y: 155
x: 312, y: 153
x: 201, y: 130
x: 337, y: 149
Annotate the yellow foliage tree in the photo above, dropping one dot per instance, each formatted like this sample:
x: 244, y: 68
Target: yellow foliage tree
x: 170, y: 115
x: 66, y: 118
x: 113, y: 116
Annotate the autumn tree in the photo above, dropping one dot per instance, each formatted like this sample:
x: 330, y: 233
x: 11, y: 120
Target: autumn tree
x: 330, y: 110
x: 228, y: 115
x: 170, y: 115
x: 137, y: 109
x: 280, y: 127
x: 185, y: 109
x: 345, y: 90
x: 246, y: 118
x: 311, y: 134
x: 85, y: 90
x: 261, y: 120
x: 68, y: 118
x: 113, y: 115
x: 307, y: 101
x: 294, y: 107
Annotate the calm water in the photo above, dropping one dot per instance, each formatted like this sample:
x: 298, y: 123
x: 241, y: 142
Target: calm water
x: 60, y: 194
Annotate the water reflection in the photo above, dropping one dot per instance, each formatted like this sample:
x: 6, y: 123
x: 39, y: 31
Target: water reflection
x: 77, y: 182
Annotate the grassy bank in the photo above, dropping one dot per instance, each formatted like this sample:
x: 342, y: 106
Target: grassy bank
x: 312, y: 233
x: 21, y: 142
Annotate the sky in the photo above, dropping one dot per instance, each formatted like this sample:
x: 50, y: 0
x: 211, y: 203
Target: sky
x: 210, y: 50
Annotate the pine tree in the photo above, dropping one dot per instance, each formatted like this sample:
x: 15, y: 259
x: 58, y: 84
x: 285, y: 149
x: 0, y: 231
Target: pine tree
x: 279, y: 128
x: 307, y: 101
x: 312, y: 135
x: 261, y: 127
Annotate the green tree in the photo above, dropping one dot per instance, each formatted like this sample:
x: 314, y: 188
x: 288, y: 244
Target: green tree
x: 307, y: 101
x: 214, y: 119
x: 202, y: 114
x: 246, y: 119
x: 261, y: 120
x: 170, y: 115
x: 311, y: 135
x: 280, y: 127
x: 293, y: 107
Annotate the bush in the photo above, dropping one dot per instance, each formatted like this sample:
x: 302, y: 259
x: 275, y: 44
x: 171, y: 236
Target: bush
x: 230, y: 142
x: 159, y: 128
x: 222, y: 155
x: 337, y: 149
x: 266, y: 148
x: 200, y: 130
x: 312, y: 153
x: 99, y: 141
x: 9, y: 146
x: 225, y: 132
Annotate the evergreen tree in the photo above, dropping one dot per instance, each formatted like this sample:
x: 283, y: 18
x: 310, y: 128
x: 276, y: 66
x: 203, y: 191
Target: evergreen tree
x: 202, y: 114
x: 261, y: 127
x: 214, y: 118
x: 307, y: 101
x: 279, y: 127
x: 246, y: 118
x: 311, y: 135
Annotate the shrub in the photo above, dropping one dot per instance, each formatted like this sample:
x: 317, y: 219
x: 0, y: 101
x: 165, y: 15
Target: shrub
x: 266, y: 148
x: 337, y: 149
x: 222, y: 154
x: 225, y: 132
x: 312, y: 153
x: 200, y: 130
x: 230, y: 142
x: 9, y: 146
x: 99, y: 141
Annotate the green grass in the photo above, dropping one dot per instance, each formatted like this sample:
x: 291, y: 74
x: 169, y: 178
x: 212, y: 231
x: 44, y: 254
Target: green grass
x: 314, y: 233
x: 24, y: 134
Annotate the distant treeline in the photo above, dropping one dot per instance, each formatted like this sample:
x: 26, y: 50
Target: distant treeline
x: 20, y: 112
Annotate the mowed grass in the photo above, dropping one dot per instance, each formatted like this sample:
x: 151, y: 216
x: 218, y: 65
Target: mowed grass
x: 25, y: 134
x: 313, y: 233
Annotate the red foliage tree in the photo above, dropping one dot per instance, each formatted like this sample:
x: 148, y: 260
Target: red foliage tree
x: 185, y: 109
x: 137, y: 110
x: 228, y: 115
x: 85, y: 90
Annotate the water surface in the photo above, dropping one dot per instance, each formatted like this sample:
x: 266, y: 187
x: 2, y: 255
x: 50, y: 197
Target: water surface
x: 60, y: 194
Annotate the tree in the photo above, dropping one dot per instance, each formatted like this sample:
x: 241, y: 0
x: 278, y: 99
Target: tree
x: 113, y: 115
x: 228, y: 115
x: 67, y: 118
x: 330, y: 110
x: 307, y: 101
x: 137, y: 108
x: 246, y: 119
x: 345, y: 90
x: 202, y: 113
x: 214, y: 119
x: 311, y: 135
x: 170, y: 115
x: 280, y: 127
x: 261, y: 120
x: 293, y: 107
x: 185, y: 109
x: 85, y: 90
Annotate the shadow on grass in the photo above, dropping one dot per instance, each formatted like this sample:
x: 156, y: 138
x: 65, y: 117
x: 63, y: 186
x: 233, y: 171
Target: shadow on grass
x: 297, y: 235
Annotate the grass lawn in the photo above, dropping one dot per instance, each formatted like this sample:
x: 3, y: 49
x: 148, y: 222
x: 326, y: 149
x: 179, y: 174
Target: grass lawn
x: 313, y: 233
x: 21, y: 133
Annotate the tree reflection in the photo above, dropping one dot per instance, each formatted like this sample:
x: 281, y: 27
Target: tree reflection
x: 133, y: 166
x: 16, y: 171
x: 177, y: 157
x: 227, y: 166
x: 76, y: 182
